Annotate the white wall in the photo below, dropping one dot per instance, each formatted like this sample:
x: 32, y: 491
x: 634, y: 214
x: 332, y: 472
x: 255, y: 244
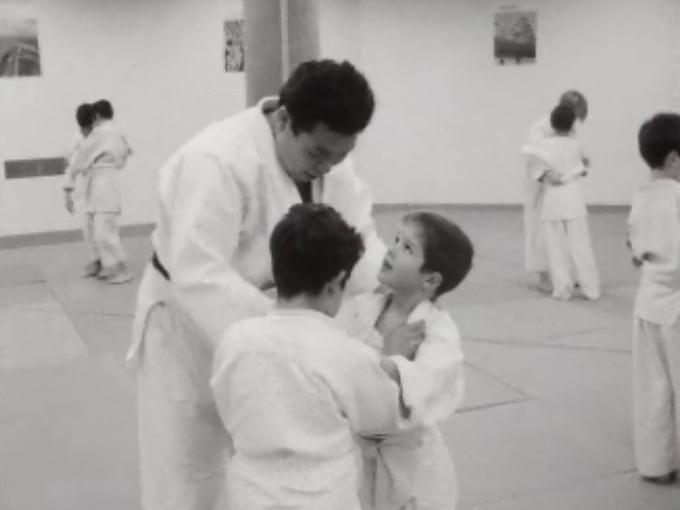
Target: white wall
x: 448, y: 124
x: 450, y: 121
x: 160, y: 62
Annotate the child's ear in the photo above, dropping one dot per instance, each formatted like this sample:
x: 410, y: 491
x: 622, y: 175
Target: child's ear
x: 672, y: 159
x: 336, y: 285
x: 432, y: 282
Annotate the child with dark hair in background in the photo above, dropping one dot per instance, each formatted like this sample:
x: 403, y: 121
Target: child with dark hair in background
x: 429, y: 257
x: 99, y: 159
x: 291, y: 388
x: 654, y: 238
x: 74, y: 185
x: 563, y: 213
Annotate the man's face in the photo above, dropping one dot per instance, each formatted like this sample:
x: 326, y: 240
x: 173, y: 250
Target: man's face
x: 309, y: 155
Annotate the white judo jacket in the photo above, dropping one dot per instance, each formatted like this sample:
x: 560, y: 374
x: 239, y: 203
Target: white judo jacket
x: 413, y: 467
x: 99, y: 157
x: 292, y: 389
x: 221, y: 195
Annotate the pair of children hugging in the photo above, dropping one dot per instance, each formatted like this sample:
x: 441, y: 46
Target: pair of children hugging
x: 559, y: 164
x: 97, y: 157
x: 342, y: 413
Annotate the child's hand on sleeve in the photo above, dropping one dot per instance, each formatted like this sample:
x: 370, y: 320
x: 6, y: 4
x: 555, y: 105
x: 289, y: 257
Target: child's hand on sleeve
x: 405, y: 340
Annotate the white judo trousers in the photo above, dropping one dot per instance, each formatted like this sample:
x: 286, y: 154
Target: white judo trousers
x: 570, y: 257
x: 656, y: 387
x: 185, y: 446
x: 535, y: 258
x: 220, y: 197
x: 102, y: 238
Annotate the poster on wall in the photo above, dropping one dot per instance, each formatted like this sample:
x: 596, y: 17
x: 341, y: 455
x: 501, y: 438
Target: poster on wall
x: 234, y: 52
x: 19, y: 50
x: 515, y: 37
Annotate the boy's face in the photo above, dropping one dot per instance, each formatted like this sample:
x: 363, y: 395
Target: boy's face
x: 401, y: 268
x: 309, y: 155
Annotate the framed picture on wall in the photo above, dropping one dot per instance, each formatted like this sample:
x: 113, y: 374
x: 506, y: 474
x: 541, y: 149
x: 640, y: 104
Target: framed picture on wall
x: 515, y: 37
x: 234, y: 52
x: 19, y: 49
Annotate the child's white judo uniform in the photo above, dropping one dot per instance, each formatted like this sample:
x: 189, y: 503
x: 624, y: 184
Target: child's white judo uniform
x: 654, y: 235
x: 535, y: 258
x: 292, y: 390
x: 74, y: 182
x: 413, y: 469
x: 220, y: 197
x: 99, y: 158
x: 564, y: 220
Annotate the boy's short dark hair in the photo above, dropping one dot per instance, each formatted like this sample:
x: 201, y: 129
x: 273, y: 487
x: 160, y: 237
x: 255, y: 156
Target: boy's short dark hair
x: 562, y: 118
x: 447, y: 249
x: 577, y: 101
x: 85, y: 115
x: 658, y: 137
x: 103, y: 108
x: 331, y: 93
x: 309, y: 247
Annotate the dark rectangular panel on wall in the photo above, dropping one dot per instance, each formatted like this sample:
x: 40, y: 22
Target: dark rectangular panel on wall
x: 38, y: 167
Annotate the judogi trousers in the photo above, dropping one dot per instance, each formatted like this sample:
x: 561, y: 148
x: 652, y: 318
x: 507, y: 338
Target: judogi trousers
x: 570, y: 252
x: 102, y: 238
x: 656, y: 397
x: 183, y: 444
x: 535, y: 258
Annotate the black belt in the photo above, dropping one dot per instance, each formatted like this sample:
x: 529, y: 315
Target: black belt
x: 159, y: 267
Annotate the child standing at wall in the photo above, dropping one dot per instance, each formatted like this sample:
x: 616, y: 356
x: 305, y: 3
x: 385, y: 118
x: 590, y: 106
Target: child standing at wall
x: 654, y: 237
x: 564, y: 220
x: 429, y: 257
x: 100, y: 158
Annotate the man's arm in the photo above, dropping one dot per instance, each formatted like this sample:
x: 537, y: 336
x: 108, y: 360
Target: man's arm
x: 205, y: 228
x: 350, y: 195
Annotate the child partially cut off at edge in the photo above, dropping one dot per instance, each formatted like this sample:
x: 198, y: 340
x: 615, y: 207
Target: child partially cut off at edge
x: 429, y: 257
x: 654, y: 238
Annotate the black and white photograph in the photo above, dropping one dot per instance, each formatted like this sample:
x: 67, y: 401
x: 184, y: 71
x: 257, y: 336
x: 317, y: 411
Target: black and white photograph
x: 515, y: 37
x: 410, y: 255
x: 19, y: 48
x: 234, y: 52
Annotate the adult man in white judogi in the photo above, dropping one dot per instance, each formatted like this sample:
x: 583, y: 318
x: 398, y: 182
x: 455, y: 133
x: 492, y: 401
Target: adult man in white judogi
x: 220, y: 196
x: 535, y: 258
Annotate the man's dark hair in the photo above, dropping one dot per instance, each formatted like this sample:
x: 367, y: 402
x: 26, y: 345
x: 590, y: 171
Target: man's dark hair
x: 562, y: 118
x: 330, y: 93
x: 658, y: 137
x: 447, y: 249
x: 309, y: 247
x: 85, y: 115
x: 103, y: 108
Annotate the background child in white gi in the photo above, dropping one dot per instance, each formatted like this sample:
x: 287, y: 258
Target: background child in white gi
x: 291, y: 388
x: 100, y: 158
x: 535, y: 257
x: 563, y: 211
x: 429, y: 257
x: 654, y: 237
x: 74, y: 187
